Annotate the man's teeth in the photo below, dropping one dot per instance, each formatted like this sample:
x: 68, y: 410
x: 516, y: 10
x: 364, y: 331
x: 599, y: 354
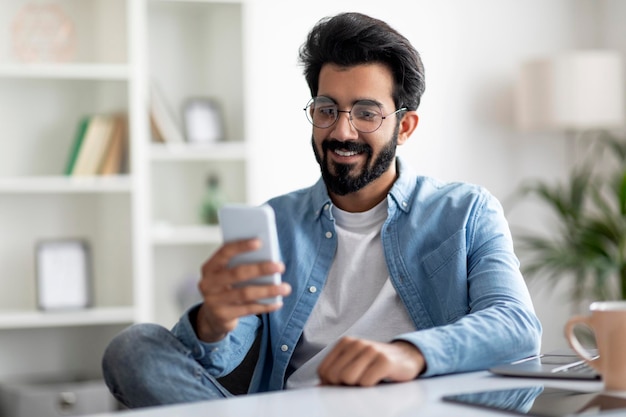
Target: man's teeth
x: 345, y: 153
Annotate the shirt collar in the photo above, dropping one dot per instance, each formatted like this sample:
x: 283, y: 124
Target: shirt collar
x: 404, y: 187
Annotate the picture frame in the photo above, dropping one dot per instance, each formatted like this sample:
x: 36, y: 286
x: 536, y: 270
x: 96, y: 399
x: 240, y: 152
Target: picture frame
x: 202, y: 119
x: 63, y: 274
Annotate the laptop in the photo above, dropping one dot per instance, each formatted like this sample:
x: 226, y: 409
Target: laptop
x: 560, y: 364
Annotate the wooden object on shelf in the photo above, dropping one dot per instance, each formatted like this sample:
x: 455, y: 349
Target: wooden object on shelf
x: 164, y: 127
x: 113, y: 162
x: 155, y: 131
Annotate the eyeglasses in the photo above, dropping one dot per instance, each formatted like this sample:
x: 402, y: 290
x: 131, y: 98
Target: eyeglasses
x: 366, y: 116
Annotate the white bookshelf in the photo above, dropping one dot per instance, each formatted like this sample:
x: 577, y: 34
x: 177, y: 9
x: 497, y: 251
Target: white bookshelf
x: 143, y: 227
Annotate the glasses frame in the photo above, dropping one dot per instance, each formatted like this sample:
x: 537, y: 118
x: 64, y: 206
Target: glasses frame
x: 382, y: 118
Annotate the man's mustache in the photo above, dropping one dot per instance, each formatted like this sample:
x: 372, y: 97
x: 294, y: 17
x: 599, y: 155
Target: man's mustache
x: 349, y: 146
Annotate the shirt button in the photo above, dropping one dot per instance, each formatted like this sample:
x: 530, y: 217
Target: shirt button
x: 326, y: 206
x: 404, y: 204
x: 329, y: 235
x: 312, y: 289
x: 284, y: 348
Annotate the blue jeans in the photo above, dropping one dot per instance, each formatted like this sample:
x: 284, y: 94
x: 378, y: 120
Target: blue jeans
x: 146, y: 365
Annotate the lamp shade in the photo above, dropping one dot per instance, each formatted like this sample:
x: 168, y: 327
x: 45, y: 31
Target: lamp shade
x: 574, y: 91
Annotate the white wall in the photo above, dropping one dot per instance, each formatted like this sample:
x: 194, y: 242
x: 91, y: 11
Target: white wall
x: 471, y: 51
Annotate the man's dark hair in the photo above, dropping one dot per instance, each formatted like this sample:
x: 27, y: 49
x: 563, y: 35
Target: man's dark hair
x: 350, y: 39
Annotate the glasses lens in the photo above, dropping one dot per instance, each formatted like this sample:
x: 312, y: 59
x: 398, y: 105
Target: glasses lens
x: 321, y: 112
x: 366, y: 116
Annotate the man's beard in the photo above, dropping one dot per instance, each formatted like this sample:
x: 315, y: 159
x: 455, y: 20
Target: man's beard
x: 344, y: 181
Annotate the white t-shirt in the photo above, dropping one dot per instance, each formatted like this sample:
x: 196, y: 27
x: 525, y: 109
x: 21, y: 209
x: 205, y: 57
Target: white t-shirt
x: 358, y: 298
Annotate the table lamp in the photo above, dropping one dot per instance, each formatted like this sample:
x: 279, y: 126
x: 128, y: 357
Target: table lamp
x: 573, y: 91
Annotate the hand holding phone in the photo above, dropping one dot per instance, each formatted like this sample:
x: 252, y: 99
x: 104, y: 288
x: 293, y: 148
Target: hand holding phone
x: 239, y: 222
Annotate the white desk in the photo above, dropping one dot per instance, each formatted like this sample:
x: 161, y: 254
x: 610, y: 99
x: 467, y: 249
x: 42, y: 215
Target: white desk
x: 417, y: 398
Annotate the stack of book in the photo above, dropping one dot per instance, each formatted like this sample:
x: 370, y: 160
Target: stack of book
x: 100, y: 146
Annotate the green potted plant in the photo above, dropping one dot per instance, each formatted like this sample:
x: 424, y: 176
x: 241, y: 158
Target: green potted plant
x: 588, y: 242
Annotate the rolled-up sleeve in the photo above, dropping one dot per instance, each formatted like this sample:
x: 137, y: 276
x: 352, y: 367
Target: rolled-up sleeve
x: 218, y: 358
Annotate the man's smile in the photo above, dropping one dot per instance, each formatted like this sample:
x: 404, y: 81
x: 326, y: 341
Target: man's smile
x: 341, y: 152
x: 346, y: 149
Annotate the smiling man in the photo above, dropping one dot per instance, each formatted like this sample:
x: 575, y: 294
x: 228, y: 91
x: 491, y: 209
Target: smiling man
x: 387, y: 275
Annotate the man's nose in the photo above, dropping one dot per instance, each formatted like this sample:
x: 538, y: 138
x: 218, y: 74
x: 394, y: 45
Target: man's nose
x: 343, y: 126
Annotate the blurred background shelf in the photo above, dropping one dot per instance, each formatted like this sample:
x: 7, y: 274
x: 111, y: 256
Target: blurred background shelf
x: 235, y: 151
x: 66, y: 71
x: 166, y: 235
x: 86, y: 317
x: 65, y: 184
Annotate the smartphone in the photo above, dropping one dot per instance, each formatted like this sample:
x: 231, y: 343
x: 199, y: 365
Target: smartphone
x: 239, y: 222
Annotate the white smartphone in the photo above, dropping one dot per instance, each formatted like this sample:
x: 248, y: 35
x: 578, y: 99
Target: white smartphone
x: 238, y: 222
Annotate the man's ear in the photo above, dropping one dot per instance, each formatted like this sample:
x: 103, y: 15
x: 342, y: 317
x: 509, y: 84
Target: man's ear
x: 408, y: 123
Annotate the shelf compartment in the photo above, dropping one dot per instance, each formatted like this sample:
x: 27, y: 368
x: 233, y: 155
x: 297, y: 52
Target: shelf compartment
x: 176, y: 32
x: 179, y: 188
x: 99, y: 32
x: 103, y: 220
x: 38, y: 142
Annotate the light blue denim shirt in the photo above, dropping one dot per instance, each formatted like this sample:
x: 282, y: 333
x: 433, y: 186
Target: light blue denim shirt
x: 450, y: 256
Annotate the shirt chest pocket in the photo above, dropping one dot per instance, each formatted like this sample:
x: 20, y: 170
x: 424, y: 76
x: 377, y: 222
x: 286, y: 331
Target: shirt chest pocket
x: 445, y: 269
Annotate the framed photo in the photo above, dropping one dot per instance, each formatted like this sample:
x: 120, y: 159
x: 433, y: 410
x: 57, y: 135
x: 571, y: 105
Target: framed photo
x: 203, y: 120
x: 63, y: 274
